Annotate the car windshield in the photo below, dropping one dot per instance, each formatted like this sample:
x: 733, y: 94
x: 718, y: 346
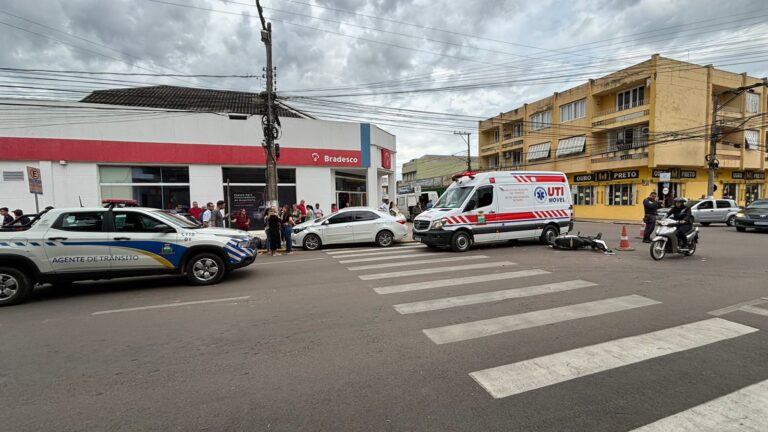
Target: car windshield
x: 759, y: 205
x: 454, y: 197
x: 175, y: 219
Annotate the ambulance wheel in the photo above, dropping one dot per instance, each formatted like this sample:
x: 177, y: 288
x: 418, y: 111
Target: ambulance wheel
x: 205, y: 269
x: 15, y: 286
x: 460, y: 242
x: 549, y: 234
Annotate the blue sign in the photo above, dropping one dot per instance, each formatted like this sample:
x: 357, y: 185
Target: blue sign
x: 540, y: 194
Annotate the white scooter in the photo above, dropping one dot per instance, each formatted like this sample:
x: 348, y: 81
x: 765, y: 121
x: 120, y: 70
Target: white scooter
x: 665, y: 240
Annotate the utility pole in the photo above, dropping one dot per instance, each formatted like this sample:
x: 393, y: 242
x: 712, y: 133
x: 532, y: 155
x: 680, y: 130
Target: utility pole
x: 271, y: 132
x: 714, y: 135
x: 469, y: 154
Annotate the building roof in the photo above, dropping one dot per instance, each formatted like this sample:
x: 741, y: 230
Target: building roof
x: 190, y: 99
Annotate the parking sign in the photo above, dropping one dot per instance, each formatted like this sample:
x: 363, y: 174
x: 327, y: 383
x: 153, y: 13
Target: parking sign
x: 35, y: 181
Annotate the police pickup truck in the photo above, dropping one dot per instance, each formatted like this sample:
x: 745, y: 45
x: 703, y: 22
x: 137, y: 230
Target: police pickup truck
x: 60, y: 246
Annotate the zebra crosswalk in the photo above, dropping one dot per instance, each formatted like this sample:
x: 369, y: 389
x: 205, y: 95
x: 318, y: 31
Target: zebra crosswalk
x: 745, y: 409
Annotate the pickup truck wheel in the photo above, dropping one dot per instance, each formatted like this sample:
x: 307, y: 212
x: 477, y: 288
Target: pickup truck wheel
x: 205, y: 269
x: 15, y: 286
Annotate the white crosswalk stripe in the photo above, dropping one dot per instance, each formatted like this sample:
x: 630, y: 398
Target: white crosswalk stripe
x: 392, y: 252
x: 350, y: 250
x: 493, y: 326
x: 488, y: 297
x: 418, y: 262
x: 516, y: 378
x: 434, y: 270
x: 385, y: 258
x: 744, y: 410
x: 469, y: 280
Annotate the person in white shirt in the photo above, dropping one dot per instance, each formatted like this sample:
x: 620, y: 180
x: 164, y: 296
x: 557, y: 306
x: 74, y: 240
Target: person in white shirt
x: 384, y: 206
x: 207, y: 214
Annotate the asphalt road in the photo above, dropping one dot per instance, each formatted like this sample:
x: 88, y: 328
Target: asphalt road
x: 568, y: 341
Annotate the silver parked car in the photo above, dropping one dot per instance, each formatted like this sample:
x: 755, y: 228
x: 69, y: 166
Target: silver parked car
x: 707, y: 211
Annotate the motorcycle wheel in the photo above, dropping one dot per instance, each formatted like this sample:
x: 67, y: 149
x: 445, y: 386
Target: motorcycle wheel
x: 658, y: 250
x: 691, y: 249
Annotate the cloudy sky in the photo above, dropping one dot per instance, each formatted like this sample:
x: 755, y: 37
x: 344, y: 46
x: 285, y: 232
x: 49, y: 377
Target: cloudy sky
x: 471, y: 58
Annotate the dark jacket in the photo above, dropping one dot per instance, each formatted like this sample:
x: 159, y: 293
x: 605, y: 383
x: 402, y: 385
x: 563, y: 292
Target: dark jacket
x: 682, y: 214
x: 650, y: 206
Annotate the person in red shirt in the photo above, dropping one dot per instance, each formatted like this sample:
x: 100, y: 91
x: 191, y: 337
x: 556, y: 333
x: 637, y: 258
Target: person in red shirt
x: 195, y: 211
x: 302, y: 208
x: 242, y: 221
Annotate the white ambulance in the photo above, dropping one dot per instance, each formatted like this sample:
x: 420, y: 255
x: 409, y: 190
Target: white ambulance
x: 497, y: 206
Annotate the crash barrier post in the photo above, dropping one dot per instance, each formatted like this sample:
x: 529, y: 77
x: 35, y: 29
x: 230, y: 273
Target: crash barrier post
x: 624, y: 243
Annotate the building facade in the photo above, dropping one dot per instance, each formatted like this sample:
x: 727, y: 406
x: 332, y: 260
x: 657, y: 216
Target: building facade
x: 642, y: 129
x: 433, y: 172
x: 164, y: 158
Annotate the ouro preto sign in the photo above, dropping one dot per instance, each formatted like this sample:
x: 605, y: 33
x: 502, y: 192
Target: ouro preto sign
x: 604, y: 176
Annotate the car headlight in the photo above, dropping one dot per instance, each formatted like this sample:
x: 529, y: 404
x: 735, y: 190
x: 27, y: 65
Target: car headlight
x: 438, y: 224
x: 739, y: 215
x: 298, y: 230
x: 243, y: 244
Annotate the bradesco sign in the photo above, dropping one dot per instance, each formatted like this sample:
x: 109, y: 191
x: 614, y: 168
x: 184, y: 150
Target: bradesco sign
x: 604, y: 176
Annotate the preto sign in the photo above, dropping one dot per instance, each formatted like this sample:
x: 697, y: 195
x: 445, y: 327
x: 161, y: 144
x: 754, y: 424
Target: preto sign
x: 748, y: 175
x: 674, y: 173
x: 607, y: 176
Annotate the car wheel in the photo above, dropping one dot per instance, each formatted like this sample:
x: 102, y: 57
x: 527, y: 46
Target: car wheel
x: 731, y: 221
x: 15, y: 286
x: 460, y: 242
x: 741, y: 229
x: 312, y: 242
x: 385, y: 239
x: 549, y: 234
x: 205, y: 269
x: 705, y: 223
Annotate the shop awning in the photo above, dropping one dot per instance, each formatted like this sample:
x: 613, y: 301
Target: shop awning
x: 538, y: 151
x: 569, y: 146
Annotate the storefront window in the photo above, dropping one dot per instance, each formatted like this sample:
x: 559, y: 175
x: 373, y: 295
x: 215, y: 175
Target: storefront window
x: 151, y: 186
x: 731, y: 191
x: 751, y: 193
x: 584, y: 195
x: 247, y: 190
x: 620, y: 195
x: 350, y: 190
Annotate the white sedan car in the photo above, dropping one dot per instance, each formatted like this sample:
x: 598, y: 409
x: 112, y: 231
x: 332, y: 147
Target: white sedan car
x: 351, y: 225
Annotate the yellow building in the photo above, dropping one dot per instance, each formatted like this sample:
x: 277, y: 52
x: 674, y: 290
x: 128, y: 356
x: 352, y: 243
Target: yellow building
x: 641, y: 129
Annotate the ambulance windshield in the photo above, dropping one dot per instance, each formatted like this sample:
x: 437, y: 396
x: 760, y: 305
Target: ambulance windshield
x: 454, y: 197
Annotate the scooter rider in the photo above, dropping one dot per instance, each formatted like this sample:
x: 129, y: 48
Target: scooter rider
x: 681, y: 213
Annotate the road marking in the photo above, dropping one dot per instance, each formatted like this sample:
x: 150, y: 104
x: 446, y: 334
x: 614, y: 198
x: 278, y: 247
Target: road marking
x: 435, y: 270
x: 737, y: 306
x: 493, y: 326
x: 382, y: 258
x: 380, y: 252
x: 488, y: 297
x: 418, y: 262
x: 544, y: 371
x: 743, y: 410
x: 169, y: 305
x: 379, y: 249
x: 417, y: 286
x: 279, y: 261
x: 754, y: 310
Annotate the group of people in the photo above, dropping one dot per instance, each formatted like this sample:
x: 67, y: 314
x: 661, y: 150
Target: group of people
x: 12, y: 218
x: 279, y: 223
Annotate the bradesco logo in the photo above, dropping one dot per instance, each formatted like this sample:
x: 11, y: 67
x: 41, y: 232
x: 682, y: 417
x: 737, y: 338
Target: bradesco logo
x: 339, y: 159
x: 552, y: 194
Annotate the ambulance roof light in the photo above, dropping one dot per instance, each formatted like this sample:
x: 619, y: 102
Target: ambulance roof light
x: 470, y: 174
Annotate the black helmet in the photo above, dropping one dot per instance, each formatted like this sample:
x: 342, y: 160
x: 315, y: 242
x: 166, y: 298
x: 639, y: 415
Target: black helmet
x: 680, y: 200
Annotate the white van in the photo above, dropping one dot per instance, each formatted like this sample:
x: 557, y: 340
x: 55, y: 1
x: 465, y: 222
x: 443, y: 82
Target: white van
x: 497, y: 206
x: 407, y: 202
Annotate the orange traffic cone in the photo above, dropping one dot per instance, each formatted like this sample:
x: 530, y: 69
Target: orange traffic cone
x: 624, y: 243
x: 642, y: 231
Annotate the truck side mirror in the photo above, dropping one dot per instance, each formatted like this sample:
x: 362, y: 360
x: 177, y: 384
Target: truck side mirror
x: 471, y: 205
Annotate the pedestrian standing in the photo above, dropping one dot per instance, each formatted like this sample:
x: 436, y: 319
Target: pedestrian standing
x: 216, y: 219
x: 310, y: 213
x: 265, y: 218
x: 179, y: 209
x: 650, y: 208
x: 273, y: 230
x: 242, y: 221
x: 5, y: 218
x: 302, y: 208
x: 318, y: 211
x: 334, y: 209
x: 208, y: 214
x: 287, y: 223
x: 195, y: 211
x: 384, y: 205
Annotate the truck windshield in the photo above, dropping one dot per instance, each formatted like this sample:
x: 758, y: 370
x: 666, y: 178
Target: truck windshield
x: 454, y: 198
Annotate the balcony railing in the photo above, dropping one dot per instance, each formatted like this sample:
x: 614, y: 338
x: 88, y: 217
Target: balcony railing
x: 623, y: 107
x: 619, y: 146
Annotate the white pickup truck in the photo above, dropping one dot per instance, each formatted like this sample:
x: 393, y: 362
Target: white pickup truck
x: 60, y: 246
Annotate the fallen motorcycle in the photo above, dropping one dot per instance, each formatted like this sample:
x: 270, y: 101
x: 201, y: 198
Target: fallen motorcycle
x: 578, y: 241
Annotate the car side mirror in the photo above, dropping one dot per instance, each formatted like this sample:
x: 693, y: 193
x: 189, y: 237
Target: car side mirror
x: 326, y: 222
x: 163, y: 228
x: 471, y: 205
